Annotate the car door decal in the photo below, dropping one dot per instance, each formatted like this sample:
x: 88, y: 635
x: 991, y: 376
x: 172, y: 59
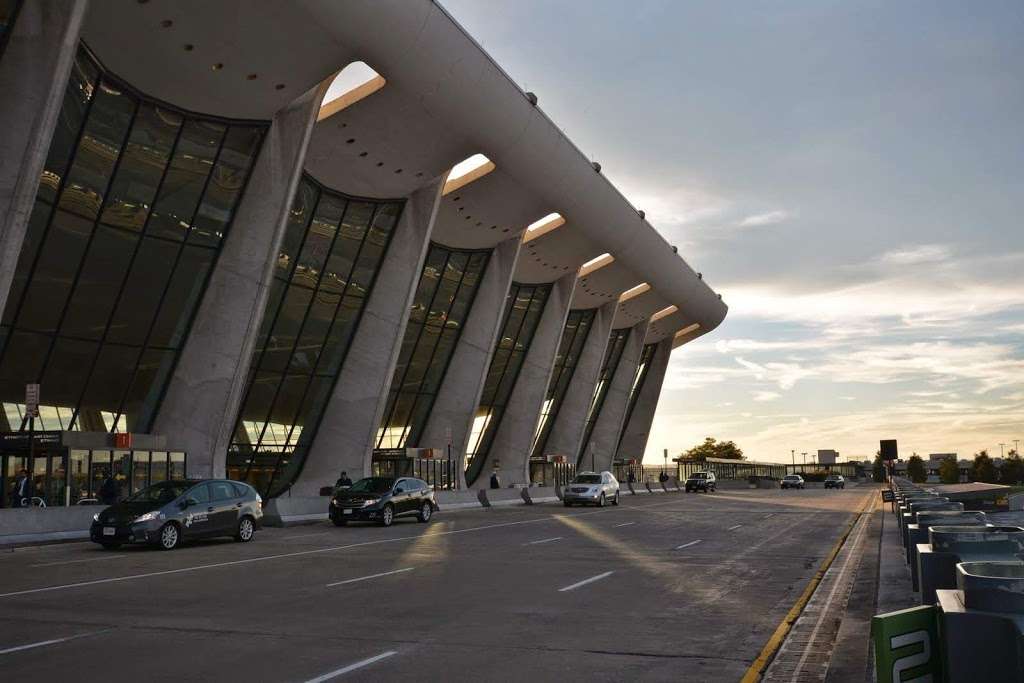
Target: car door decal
x: 195, y: 518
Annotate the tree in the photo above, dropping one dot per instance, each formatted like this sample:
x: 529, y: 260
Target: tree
x: 916, y: 470
x: 878, y: 468
x: 714, y: 449
x: 1012, y: 470
x: 949, y: 471
x: 983, y: 469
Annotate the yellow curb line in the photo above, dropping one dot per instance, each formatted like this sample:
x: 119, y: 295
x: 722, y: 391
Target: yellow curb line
x: 758, y: 666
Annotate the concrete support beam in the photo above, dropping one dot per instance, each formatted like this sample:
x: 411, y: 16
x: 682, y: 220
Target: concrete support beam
x: 605, y: 436
x: 205, y: 392
x: 511, y: 445
x: 348, y: 429
x: 567, y: 431
x: 638, y: 428
x: 464, y: 381
x: 34, y: 70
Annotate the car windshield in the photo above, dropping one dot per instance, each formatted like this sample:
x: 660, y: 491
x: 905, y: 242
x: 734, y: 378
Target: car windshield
x: 373, y: 485
x: 792, y: 477
x: 164, y: 492
x: 587, y: 479
x: 699, y: 475
x: 832, y: 477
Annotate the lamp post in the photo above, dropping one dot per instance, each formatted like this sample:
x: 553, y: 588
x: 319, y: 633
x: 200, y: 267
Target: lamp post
x: 1016, y: 446
x: 1001, y: 449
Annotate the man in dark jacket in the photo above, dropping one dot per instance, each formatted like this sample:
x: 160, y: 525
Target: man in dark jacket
x: 22, y: 490
x: 343, y: 480
x: 495, y: 482
x: 631, y: 478
x: 110, y: 490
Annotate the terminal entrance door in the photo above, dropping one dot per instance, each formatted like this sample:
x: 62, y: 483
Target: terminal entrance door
x: 44, y: 462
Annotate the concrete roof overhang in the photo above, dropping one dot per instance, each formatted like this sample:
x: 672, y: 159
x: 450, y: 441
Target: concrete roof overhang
x: 444, y: 100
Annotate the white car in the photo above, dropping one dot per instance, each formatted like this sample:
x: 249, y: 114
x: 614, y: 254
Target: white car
x: 591, y: 488
x: 792, y: 481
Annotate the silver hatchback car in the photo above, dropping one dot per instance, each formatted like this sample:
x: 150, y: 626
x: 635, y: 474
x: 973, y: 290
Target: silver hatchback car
x: 591, y: 488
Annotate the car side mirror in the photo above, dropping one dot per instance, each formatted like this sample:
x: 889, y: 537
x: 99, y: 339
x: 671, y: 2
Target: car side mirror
x: 399, y: 490
x: 189, y: 502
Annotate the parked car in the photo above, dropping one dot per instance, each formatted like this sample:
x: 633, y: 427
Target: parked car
x: 701, y: 481
x: 591, y: 488
x: 835, y: 481
x: 172, y: 512
x: 792, y: 481
x: 382, y: 500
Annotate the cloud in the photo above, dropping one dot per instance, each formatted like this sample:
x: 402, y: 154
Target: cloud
x: 768, y: 218
x: 925, y: 253
x: 786, y: 375
x: 765, y: 396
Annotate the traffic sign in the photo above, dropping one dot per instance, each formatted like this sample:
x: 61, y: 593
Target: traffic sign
x: 32, y: 400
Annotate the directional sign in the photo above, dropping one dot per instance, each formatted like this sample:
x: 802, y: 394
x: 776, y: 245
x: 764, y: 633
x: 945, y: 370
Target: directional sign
x: 32, y: 400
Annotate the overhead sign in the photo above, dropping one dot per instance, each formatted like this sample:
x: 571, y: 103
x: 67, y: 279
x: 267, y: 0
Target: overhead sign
x: 887, y: 447
x: 32, y: 400
x: 907, y: 645
x: 888, y: 495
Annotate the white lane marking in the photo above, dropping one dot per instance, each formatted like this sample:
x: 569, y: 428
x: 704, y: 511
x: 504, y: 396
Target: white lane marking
x: 734, y: 527
x: 44, y: 643
x: 584, y: 582
x: 351, y: 667
x: 91, y: 559
x: 371, y: 576
x: 687, y: 545
x: 771, y: 514
x: 544, y: 540
x: 292, y: 538
x: 624, y: 524
x: 297, y: 553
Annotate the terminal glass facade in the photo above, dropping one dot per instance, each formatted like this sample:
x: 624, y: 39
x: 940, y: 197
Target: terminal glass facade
x: 523, y: 309
x: 612, y: 356
x: 440, y: 307
x: 330, y: 256
x: 646, y: 356
x: 574, y: 336
x: 133, y: 204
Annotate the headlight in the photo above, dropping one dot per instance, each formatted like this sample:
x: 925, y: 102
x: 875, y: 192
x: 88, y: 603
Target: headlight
x: 372, y: 501
x: 149, y: 516
x: 96, y: 517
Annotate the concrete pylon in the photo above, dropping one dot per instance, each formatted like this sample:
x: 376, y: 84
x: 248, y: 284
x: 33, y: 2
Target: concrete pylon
x: 34, y: 71
x: 567, y: 430
x: 605, y: 436
x: 511, y: 445
x: 463, y: 383
x: 348, y: 428
x: 638, y: 426
x: 204, y: 395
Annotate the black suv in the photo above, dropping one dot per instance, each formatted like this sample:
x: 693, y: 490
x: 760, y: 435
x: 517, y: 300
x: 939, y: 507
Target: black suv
x: 170, y: 512
x: 835, y: 481
x: 382, y: 499
x: 701, y: 481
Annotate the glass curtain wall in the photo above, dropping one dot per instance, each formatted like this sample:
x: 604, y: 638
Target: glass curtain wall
x: 523, y: 309
x: 330, y: 256
x: 612, y: 356
x: 574, y: 336
x: 134, y: 202
x: 8, y: 13
x: 646, y: 356
x: 443, y: 299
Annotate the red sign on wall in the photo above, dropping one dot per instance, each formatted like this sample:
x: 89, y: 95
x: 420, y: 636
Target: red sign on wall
x: 123, y: 440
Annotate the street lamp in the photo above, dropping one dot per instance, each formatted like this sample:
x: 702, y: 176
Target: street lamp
x: 1001, y: 449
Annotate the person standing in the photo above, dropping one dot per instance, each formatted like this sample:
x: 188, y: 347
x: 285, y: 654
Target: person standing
x: 495, y: 482
x: 110, y: 490
x: 22, y: 490
x: 343, y: 480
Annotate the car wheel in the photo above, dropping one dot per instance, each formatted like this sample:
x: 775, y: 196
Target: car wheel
x: 615, y: 500
x: 600, y: 501
x: 339, y: 521
x: 426, y: 512
x: 110, y: 546
x: 246, y: 529
x: 387, y: 515
x: 170, y: 536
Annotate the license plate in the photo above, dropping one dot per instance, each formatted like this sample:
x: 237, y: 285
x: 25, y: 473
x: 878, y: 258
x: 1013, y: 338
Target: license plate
x: 346, y: 512
x: 109, y: 531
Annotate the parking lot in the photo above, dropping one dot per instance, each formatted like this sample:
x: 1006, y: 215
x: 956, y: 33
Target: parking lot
x: 660, y: 587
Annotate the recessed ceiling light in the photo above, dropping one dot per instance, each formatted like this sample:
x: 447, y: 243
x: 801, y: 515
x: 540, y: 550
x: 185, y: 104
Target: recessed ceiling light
x: 217, y: 67
x: 167, y: 23
x: 251, y: 77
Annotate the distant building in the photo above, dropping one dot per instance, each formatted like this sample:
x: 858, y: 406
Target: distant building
x: 827, y: 457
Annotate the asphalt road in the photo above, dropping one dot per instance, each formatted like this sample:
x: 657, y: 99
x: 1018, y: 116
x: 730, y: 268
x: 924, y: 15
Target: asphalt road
x: 658, y: 588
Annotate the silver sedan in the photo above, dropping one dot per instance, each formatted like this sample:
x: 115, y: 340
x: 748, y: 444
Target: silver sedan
x: 591, y: 488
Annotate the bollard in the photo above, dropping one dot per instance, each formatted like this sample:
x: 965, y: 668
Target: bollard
x: 982, y: 622
x: 948, y: 545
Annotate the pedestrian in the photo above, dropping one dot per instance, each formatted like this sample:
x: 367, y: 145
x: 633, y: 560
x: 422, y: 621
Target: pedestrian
x: 110, y: 490
x: 495, y: 482
x: 343, y: 480
x: 631, y: 478
x: 22, y: 490
x: 663, y: 477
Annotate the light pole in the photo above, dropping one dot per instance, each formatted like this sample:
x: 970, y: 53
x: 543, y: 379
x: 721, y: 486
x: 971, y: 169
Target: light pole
x: 1001, y: 449
x: 1016, y: 446
x: 805, y: 458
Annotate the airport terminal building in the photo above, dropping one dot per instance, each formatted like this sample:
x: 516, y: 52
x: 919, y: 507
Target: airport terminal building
x: 207, y: 262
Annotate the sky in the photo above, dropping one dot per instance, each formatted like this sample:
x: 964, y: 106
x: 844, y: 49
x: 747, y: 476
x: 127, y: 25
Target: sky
x: 850, y: 176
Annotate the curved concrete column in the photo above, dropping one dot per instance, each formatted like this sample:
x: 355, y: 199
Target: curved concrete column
x: 203, y: 398
x: 34, y: 70
x: 638, y: 428
x: 348, y: 429
x: 463, y: 383
x: 605, y: 436
x: 567, y: 431
x: 511, y: 445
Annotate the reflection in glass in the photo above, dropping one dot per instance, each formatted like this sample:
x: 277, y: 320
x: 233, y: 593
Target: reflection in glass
x: 442, y: 301
x: 646, y: 356
x: 330, y: 254
x: 523, y: 308
x: 612, y: 356
x: 133, y: 203
x: 574, y: 336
